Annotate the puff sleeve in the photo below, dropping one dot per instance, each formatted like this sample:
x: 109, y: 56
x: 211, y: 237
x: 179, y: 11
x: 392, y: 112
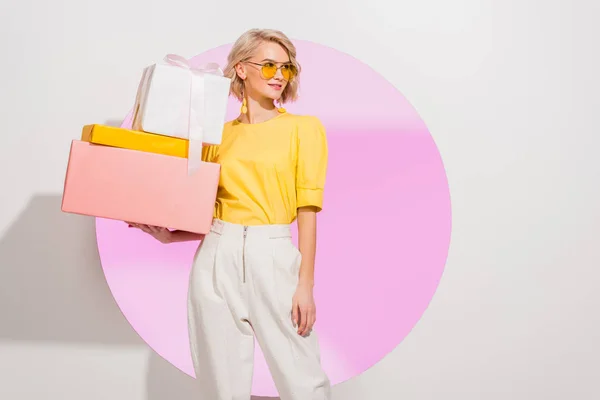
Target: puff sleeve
x: 311, y: 166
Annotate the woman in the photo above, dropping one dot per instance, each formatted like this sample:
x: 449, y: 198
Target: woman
x: 248, y: 278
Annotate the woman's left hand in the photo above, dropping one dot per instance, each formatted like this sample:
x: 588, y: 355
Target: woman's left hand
x: 304, y: 312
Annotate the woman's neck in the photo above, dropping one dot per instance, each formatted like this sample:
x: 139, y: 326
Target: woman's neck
x: 259, y: 110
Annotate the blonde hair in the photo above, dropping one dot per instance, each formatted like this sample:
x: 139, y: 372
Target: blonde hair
x: 243, y: 49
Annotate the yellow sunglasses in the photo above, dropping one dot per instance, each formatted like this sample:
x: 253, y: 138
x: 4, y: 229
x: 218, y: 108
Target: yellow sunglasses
x: 269, y: 70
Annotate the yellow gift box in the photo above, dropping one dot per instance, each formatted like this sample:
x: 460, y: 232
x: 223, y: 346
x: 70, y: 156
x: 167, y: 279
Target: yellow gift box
x: 135, y: 140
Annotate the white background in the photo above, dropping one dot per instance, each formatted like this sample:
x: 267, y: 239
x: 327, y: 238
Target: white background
x: 510, y: 92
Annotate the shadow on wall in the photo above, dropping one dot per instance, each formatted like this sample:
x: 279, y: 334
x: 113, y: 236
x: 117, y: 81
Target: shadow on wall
x: 52, y: 286
x: 166, y: 382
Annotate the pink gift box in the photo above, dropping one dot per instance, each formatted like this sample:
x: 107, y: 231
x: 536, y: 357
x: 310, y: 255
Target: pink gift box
x: 141, y: 187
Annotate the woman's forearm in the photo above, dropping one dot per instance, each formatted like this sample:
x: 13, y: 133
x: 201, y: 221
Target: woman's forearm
x: 307, y: 244
x: 184, y: 236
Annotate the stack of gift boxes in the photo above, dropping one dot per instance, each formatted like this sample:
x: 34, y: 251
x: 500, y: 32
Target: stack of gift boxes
x: 153, y: 173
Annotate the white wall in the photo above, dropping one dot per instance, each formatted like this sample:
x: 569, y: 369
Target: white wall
x: 510, y: 91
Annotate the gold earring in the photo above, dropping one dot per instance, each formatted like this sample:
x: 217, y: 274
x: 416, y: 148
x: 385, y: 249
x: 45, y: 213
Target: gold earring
x: 281, y: 109
x: 244, y: 104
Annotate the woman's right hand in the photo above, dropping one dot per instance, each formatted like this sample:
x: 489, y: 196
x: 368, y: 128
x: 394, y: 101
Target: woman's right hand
x: 163, y: 235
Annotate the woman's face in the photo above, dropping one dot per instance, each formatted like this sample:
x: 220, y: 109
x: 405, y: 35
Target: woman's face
x: 254, y: 81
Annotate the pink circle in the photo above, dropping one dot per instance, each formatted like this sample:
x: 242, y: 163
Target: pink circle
x: 383, y: 234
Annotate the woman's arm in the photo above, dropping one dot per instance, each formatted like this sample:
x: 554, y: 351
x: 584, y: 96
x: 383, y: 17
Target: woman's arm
x: 311, y: 168
x: 184, y: 236
x: 307, y: 244
x: 304, y: 312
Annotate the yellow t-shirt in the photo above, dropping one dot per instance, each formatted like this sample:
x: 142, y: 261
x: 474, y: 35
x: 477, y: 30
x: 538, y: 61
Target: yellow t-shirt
x: 269, y: 169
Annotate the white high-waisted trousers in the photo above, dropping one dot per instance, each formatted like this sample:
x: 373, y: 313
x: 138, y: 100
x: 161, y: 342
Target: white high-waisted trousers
x: 241, y: 284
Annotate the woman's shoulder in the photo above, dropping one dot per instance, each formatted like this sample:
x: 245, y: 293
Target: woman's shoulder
x: 229, y: 124
x: 287, y: 118
x: 305, y: 120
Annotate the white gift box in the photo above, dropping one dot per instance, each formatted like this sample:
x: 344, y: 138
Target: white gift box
x: 178, y: 100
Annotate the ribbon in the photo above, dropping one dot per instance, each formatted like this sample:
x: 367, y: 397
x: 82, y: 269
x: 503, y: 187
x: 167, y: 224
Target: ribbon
x: 196, y: 115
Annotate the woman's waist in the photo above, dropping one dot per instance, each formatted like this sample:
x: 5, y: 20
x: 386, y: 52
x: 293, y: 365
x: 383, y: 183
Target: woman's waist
x: 249, y: 212
x: 244, y: 228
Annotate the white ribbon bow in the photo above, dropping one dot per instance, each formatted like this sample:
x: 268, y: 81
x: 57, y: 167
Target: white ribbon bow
x: 197, y: 108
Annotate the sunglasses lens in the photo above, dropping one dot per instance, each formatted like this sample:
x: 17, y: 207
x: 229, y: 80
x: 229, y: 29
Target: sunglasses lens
x: 285, y: 72
x: 269, y: 70
x: 292, y: 71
